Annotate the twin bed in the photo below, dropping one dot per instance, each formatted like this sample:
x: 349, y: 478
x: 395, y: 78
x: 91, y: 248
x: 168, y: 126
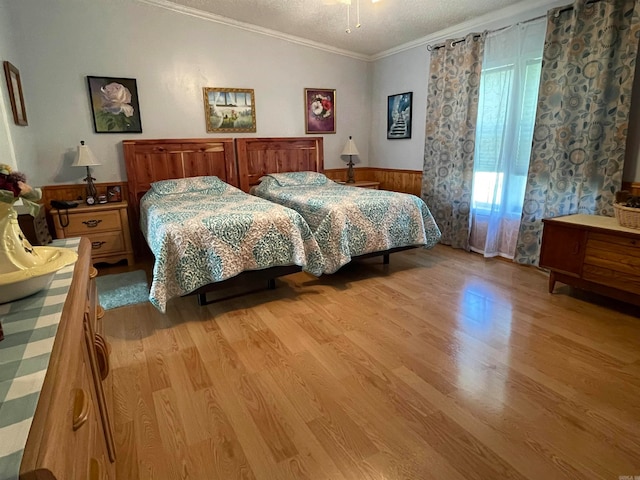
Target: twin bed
x: 206, y: 232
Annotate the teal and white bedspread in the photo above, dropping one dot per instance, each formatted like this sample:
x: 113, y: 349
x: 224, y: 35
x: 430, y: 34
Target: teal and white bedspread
x: 202, y: 230
x: 349, y: 221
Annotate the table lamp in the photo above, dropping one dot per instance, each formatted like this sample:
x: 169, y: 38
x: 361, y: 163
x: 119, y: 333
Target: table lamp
x: 351, y: 150
x: 86, y: 158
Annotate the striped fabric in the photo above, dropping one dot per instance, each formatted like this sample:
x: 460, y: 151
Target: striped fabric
x: 30, y: 327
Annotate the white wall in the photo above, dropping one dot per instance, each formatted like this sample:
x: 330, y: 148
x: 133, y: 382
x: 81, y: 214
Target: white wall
x: 8, y: 130
x: 172, y: 56
x: 409, y: 71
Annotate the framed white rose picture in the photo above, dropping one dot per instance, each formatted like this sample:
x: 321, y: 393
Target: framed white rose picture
x: 320, y: 110
x: 114, y: 105
x: 229, y: 109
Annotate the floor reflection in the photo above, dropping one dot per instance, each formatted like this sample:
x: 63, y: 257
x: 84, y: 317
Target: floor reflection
x: 484, y: 319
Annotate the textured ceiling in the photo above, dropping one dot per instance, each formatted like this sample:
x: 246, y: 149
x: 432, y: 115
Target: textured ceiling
x: 385, y: 25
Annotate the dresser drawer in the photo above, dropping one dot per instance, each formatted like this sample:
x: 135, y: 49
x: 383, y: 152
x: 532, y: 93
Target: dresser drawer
x: 614, y: 261
x: 87, y: 223
x: 79, y: 425
x: 104, y: 243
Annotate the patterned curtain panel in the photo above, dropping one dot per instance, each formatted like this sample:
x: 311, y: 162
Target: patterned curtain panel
x: 452, y: 108
x: 582, y: 118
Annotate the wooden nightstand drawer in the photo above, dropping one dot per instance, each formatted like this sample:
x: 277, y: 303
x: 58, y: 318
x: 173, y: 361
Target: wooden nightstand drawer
x: 108, y: 242
x: 87, y: 223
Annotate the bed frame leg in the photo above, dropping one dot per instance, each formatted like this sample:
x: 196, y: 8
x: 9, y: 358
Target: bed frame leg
x: 271, y: 284
x: 202, y: 299
x: 385, y: 259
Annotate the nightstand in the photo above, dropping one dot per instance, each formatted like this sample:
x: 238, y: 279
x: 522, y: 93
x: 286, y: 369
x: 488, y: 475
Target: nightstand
x: 363, y: 184
x: 106, y: 225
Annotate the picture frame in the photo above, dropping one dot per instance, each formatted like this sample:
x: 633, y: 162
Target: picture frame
x: 229, y: 109
x: 114, y: 104
x: 114, y: 193
x: 14, y: 85
x: 399, y: 115
x: 319, y: 110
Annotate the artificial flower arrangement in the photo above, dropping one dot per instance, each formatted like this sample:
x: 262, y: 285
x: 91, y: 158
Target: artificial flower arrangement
x: 13, y: 185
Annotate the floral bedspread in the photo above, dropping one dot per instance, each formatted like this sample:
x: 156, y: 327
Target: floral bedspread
x: 349, y: 221
x: 203, y: 230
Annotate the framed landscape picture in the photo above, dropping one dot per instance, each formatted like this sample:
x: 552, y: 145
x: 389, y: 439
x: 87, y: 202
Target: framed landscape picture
x: 320, y: 110
x: 229, y: 109
x: 114, y: 105
x: 399, y: 115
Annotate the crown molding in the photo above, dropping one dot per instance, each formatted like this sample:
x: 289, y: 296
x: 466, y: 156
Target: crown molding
x: 480, y: 23
x: 212, y: 17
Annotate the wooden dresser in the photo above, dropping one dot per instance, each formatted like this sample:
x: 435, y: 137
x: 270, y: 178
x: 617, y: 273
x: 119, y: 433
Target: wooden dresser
x: 70, y: 434
x: 593, y: 253
x: 106, y: 225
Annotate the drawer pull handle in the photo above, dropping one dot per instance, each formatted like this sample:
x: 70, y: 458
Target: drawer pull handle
x: 576, y: 248
x: 93, y: 272
x: 80, y: 408
x: 97, y: 245
x: 102, y: 355
x: 92, y: 223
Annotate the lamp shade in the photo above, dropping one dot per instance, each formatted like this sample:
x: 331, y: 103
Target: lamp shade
x: 84, y: 157
x: 350, y: 148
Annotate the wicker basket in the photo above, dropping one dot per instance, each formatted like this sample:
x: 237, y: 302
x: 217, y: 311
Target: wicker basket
x: 627, y: 216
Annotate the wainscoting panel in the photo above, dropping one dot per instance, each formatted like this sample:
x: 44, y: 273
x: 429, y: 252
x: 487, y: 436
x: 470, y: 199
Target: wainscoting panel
x: 406, y: 181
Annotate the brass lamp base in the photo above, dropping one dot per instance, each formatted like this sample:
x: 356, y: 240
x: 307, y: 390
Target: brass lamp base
x: 350, y: 175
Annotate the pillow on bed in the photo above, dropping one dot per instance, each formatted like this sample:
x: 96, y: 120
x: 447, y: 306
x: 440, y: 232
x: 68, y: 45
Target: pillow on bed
x: 187, y: 185
x: 293, y: 179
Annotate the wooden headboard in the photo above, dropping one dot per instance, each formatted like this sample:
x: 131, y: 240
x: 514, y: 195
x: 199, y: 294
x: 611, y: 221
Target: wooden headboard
x: 149, y: 161
x: 259, y: 156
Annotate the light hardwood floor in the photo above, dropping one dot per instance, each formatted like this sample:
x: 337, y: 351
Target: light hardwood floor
x: 441, y: 365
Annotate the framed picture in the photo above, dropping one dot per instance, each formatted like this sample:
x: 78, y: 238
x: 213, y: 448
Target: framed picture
x: 399, y: 115
x: 114, y: 105
x: 319, y: 110
x: 14, y: 85
x: 229, y: 109
x: 114, y: 193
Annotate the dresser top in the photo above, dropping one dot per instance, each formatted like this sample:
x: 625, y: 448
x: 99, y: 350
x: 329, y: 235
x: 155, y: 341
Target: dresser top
x: 84, y: 208
x: 594, y: 221
x: 30, y: 327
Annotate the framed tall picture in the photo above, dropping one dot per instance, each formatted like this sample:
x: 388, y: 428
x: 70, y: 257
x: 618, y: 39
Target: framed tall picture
x: 14, y: 85
x: 319, y: 110
x: 399, y: 115
x: 114, y: 105
x: 229, y: 109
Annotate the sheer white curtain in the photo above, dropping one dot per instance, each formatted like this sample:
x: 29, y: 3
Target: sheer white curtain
x: 506, y: 114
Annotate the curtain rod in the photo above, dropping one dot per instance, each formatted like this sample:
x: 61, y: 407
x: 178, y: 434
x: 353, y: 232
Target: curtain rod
x: 486, y: 32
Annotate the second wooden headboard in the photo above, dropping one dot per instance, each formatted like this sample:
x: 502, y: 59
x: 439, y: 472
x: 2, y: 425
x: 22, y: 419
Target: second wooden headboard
x: 258, y: 156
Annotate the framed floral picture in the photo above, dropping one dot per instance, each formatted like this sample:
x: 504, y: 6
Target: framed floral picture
x: 114, y: 105
x: 229, y: 109
x: 320, y: 110
x: 14, y: 85
x: 399, y: 115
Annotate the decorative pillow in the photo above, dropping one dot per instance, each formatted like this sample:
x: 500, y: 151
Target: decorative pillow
x: 187, y: 185
x: 293, y: 179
